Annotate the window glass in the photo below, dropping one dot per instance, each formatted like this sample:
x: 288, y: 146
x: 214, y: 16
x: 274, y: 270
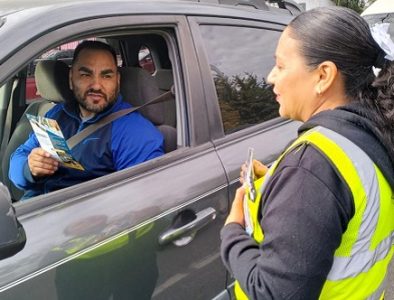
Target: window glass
x: 240, y: 66
x: 145, y: 60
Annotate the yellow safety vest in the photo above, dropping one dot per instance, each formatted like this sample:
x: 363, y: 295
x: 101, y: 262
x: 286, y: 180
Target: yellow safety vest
x: 359, y: 269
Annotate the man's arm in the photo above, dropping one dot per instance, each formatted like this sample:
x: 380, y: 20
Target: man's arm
x: 29, y: 163
x: 135, y: 140
x: 19, y: 172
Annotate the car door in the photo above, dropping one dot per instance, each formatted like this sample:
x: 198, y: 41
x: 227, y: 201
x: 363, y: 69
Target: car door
x: 151, y: 231
x: 236, y: 88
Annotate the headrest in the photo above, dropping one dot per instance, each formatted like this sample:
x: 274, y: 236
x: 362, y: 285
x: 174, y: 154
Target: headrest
x: 137, y: 87
x: 52, y: 80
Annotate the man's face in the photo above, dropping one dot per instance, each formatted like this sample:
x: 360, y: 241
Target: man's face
x: 94, y: 79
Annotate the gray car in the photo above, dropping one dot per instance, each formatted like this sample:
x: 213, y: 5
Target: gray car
x: 150, y: 231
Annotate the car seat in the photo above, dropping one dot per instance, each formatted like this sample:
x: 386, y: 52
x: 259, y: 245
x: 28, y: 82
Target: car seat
x: 137, y: 87
x: 164, y: 79
x: 52, y: 84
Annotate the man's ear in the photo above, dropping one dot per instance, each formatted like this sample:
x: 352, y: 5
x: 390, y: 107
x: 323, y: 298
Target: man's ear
x: 70, y: 83
x: 328, y: 73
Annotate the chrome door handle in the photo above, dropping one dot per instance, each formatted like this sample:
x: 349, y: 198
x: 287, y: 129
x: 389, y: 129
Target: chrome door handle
x: 201, y: 219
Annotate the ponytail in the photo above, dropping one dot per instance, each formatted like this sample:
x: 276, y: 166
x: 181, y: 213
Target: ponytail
x: 378, y: 100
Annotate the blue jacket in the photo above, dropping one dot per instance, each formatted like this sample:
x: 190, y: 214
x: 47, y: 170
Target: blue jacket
x: 125, y: 142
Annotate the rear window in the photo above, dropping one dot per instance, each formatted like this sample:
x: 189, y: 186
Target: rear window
x: 240, y: 67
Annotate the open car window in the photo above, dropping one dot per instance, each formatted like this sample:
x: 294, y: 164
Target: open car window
x: 138, y: 85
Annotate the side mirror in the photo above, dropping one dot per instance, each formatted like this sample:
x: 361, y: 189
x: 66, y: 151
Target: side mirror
x: 12, y: 234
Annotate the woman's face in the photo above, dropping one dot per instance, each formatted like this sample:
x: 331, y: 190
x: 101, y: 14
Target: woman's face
x: 295, y: 84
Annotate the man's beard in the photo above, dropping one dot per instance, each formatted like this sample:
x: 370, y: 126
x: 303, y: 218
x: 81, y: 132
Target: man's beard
x: 95, y: 108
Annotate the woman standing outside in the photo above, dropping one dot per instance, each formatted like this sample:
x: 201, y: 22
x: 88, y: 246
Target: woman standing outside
x: 322, y: 224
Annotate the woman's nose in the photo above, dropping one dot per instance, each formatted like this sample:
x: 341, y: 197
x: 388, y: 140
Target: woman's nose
x: 271, y: 76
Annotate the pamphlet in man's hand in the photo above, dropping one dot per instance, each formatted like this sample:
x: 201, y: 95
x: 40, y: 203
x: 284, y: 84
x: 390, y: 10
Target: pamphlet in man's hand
x: 51, y: 139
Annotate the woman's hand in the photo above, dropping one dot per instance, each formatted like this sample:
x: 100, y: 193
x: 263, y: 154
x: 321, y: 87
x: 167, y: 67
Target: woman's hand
x: 259, y: 170
x: 236, y: 214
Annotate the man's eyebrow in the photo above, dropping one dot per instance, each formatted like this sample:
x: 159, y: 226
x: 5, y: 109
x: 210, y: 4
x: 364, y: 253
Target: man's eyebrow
x: 107, y: 71
x: 85, y: 69
x: 89, y: 71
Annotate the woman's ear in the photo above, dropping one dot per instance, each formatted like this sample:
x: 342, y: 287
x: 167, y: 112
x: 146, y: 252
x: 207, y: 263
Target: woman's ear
x: 328, y: 73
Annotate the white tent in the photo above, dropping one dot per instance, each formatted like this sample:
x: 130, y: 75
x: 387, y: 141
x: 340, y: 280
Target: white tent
x: 381, y: 11
x: 379, y: 7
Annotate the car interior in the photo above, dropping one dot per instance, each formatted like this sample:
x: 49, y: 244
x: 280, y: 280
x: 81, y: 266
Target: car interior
x: 146, y: 72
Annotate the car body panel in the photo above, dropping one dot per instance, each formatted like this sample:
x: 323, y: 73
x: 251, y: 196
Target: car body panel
x: 157, y: 196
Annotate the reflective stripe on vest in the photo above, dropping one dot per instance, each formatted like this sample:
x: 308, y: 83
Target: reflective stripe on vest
x: 360, y: 262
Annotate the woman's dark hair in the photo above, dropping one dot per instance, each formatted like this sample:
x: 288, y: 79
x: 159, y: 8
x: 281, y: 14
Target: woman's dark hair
x: 340, y: 35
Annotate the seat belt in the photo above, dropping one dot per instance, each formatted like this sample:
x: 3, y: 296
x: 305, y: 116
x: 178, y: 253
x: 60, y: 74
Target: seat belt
x: 77, y: 138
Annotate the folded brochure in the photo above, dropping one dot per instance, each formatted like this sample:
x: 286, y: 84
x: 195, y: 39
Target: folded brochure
x: 51, y: 139
x: 250, y: 191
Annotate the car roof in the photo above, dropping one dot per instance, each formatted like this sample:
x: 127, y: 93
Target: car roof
x: 25, y: 21
x: 20, y: 16
x: 8, y: 7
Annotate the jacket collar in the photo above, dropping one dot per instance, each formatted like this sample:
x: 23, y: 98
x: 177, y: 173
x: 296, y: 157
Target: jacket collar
x: 350, y: 122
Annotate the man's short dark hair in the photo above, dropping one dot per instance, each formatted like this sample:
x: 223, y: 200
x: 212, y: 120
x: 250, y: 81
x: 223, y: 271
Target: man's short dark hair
x: 94, y: 45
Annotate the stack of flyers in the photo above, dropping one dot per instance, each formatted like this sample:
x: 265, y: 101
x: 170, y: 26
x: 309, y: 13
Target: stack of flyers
x: 250, y: 191
x: 51, y: 139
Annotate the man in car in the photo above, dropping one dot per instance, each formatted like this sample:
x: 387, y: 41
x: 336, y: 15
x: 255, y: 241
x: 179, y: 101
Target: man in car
x: 126, y: 141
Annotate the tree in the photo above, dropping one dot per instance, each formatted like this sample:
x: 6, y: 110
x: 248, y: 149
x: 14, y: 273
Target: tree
x: 357, y: 5
x: 245, y: 100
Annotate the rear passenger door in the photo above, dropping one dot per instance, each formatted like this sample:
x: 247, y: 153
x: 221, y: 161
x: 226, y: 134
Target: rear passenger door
x: 240, y: 55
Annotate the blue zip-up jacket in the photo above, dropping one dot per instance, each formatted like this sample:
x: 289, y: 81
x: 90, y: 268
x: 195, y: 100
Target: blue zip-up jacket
x: 125, y: 142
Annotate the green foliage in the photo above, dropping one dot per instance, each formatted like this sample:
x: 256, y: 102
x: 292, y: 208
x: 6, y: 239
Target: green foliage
x: 244, y: 100
x: 356, y: 5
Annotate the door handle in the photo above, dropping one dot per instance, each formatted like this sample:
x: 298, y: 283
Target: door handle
x: 201, y: 219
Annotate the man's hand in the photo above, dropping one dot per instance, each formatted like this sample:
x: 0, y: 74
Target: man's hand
x: 41, y: 163
x: 259, y: 170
